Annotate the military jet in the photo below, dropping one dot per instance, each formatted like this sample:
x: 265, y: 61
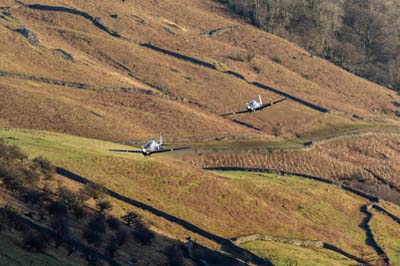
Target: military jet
x: 152, y: 146
x: 254, y: 106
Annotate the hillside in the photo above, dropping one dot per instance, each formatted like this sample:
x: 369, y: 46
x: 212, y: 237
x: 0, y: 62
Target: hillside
x: 49, y: 221
x: 370, y: 162
x: 96, y: 63
x: 312, y: 180
x: 211, y: 202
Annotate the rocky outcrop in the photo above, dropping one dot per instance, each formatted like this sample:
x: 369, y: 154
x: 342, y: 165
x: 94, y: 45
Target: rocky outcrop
x: 220, y: 31
x: 29, y: 36
x: 63, y: 54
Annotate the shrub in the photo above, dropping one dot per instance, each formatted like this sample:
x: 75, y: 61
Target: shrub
x: 276, y: 60
x: 277, y: 131
x: 112, y: 223
x: 46, y: 166
x: 92, y: 190
x: 11, y: 218
x: 130, y: 218
x: 33, y: 197
x: 244, y: 57
x: 60, y: 228
x: 92, y: 237
x: 121, y: 236
x: 104, y: 206
x: 69, y: 198
x: 79, y: 212
x: 4, y: 220
x: 142, y: 234
x: 11, y: 152
x: 92, y: 260
x: 111, y: 247
x: 57, y: 208
x: 34, y: 241
x: 174, y: 255
x: 12, y: 177
x: 30, y: 177
x: 70, y: 244
x: 97, y: 224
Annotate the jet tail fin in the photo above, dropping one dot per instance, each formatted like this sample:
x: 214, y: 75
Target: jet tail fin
x: 161, y: 139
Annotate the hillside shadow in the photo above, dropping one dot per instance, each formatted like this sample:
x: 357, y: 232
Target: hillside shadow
x: 18, y: 224
x: 226, y: 245
x: 246, y: 124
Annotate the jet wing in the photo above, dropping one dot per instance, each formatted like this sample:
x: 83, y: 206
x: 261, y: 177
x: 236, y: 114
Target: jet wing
x: 271, y: 103
x: 249, y: 111
x: 132, y: 151
x: 235, y: 113
x: 171, y: 149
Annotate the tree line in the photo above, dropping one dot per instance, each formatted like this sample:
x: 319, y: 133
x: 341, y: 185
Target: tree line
x: 361, y: 36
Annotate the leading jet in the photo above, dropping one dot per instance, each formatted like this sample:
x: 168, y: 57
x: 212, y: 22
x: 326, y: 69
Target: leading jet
x: 152, y: 146
x: 254, y: 106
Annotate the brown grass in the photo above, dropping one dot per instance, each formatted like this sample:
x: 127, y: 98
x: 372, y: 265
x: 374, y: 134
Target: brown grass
x: 345, y: 160
x: 102, y: 61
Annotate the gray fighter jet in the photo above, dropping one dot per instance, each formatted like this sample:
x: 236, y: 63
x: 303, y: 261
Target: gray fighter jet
x: 152, y: 146
x: 254, y: 106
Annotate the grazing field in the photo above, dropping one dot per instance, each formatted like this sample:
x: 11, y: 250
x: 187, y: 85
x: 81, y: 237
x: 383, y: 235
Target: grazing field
x: 285, y: 254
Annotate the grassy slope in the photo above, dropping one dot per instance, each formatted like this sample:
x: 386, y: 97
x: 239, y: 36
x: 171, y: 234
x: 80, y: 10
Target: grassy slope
x: 387, y: 234
x: 282, y: 254
x: 112, y: 116
x: 102, y: 60
x: 281, y: 206
x: 393, y: 208
x: 299, y: 73
x: 11, y: 254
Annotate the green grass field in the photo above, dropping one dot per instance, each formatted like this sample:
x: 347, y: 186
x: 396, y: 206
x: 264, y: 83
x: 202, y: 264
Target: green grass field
x: 387, y: 233
x: 284, y: 254
x: 284, y: 206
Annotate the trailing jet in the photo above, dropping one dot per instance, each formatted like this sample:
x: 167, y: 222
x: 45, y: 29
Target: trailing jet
x: 254, y: 106
x: 152, y: 146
